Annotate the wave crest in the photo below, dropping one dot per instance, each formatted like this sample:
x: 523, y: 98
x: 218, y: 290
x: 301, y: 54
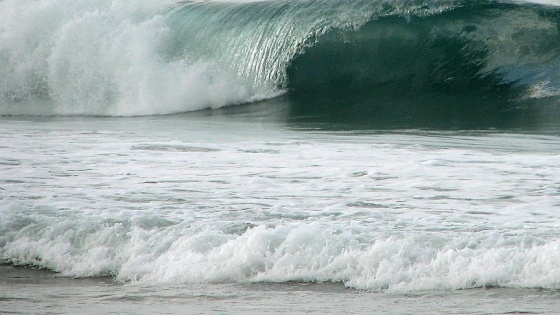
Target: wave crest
x: 104, y: 58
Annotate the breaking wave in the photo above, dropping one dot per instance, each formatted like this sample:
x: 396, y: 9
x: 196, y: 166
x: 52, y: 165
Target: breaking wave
x: 387, y: 59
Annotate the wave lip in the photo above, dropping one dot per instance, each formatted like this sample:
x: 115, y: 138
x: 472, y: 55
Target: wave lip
x: 377, y: 57
x: 108, y: 58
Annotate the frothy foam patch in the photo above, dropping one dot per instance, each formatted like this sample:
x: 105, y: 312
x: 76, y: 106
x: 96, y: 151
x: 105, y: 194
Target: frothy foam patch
x: 378, y: 212
x: 101, y: 58
x: 154, y: 250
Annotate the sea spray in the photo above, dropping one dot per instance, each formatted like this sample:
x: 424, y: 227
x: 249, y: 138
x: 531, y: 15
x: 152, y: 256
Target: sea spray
x: 100, y: 58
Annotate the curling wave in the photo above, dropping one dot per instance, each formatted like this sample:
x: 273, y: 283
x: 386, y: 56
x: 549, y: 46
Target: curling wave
x: 364, y: 59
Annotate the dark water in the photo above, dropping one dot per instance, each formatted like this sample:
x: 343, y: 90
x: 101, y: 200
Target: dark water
x: 472, y: 65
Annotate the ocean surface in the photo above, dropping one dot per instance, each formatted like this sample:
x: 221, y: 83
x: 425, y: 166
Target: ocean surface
x: 299, y: 156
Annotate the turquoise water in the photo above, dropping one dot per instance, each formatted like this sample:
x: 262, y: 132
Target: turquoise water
x: 282, y: 156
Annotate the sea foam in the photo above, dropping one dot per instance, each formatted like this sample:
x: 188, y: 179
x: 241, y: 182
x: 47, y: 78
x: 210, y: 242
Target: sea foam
x: 393, y: 212
x: 304, y: 252
x: 101, y: 58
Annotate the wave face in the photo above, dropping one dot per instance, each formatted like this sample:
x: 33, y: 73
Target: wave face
x: 334, y: 58
x: 480, y: 64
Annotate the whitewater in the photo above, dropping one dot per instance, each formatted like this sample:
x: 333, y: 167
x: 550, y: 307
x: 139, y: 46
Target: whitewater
x: 108, y: 57
x: 317, y: 156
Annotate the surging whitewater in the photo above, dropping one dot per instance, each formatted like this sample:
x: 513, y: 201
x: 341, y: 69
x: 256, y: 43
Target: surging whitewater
x: 275, y: 207
x: 101, y: 58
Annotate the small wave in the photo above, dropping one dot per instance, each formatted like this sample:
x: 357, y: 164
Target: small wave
x: 151, y: 250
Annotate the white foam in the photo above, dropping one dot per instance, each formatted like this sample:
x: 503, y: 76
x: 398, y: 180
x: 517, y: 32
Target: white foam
x: 227, y: 204
x: 101, y: 58
x: 289, y: 252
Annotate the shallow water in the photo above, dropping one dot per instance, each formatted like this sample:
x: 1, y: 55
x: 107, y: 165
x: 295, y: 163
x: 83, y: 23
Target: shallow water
x: 37, y: 291
x: 232, y: 213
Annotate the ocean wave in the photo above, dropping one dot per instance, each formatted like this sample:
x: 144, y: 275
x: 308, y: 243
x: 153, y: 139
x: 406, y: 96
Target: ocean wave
x: 110, y: 58
x: 149, y: 250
